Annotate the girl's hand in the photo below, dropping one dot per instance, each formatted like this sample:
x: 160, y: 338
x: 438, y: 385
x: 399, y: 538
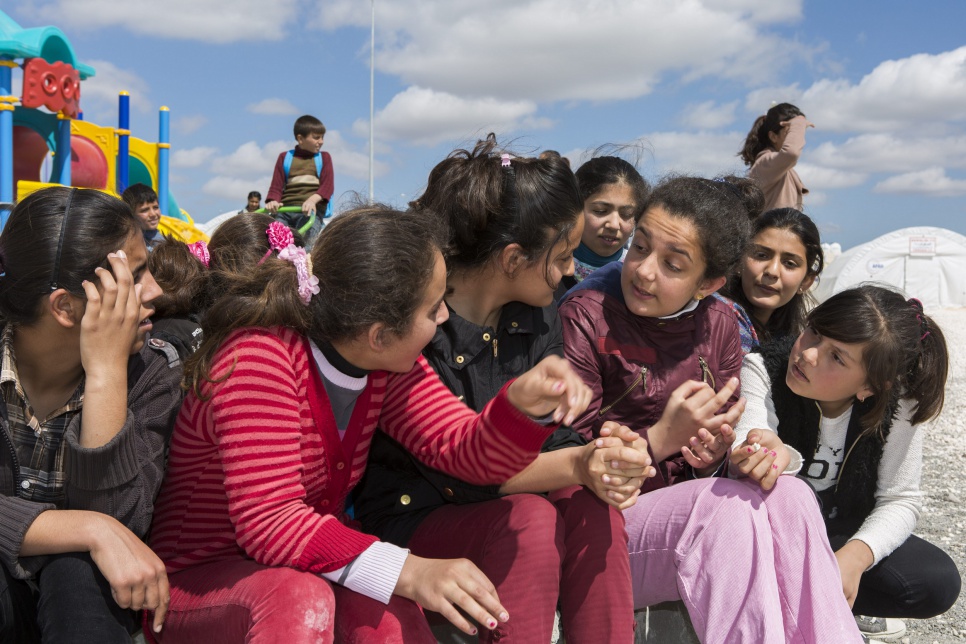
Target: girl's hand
x: 136, y: 575
x: 854, y: 558
x: 693, y: 406
x: 615, y: 465
x: 550, y: 386
x: 442, y: 585
x: 110, y: 322
x: 764, y: 463
x: 706, y: 449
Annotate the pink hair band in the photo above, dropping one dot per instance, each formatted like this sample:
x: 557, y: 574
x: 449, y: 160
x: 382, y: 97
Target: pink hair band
x: 200, y: 250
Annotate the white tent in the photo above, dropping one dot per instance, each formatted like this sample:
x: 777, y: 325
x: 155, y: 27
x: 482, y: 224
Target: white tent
x: 211, y: 225
x: 924, y: 262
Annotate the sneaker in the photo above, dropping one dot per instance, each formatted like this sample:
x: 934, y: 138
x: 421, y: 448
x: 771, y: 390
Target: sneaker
x: 866, y: 640
x: 885, y: 629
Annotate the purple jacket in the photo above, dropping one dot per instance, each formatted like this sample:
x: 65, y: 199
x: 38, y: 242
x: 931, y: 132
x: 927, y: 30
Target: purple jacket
x: 634, y: 363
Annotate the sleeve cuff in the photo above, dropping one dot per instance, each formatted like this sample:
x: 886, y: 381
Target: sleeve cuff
x: 374, y: 573
x: 104, y: 467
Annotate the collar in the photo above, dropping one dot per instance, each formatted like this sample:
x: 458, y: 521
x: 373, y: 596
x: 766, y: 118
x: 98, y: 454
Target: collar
x: 584, y: 254
x: 692, y: 305
x: 299, y: 153
x: 458, y: 341
x: 336, y: 369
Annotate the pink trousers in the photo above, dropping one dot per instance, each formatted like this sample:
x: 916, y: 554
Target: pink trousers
x: 751, y: 566
x: 243, y: 601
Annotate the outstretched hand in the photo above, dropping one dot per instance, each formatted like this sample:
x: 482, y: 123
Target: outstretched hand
x: 551, y: 386
x: 691, y: 407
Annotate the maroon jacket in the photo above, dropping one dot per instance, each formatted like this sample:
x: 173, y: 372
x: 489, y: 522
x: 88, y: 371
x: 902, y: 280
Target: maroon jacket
x: 634, y: 363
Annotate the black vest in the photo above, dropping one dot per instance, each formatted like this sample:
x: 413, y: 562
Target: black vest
x: 852, y: 498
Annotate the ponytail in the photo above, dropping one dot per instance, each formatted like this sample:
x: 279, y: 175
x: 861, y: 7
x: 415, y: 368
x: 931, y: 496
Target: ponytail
x: 757, y: 139
x: 926, y: 380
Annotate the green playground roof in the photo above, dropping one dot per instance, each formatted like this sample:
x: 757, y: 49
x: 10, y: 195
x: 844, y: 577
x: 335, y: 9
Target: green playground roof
x: 48, y: 43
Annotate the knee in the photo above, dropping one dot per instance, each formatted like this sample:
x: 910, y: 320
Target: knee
x: 531, y: 524
x: 303, y: 598
x: 942, y: 589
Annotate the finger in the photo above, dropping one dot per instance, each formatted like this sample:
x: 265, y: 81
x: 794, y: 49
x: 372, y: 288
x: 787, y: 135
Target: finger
x: 108, y: 288
x: 752, y: 459
x: 692, y: 459
x: 630, y: 501
x: 122, y: 595
x: 704, y: 451
x: 688, y: 388
x: 455, y: 618
x: 137, y: 597
x: 718, y: 401
x: 164, y: 592
x: 764, y: 465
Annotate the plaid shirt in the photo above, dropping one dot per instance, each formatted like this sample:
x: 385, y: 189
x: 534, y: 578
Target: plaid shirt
x: 39, y: 444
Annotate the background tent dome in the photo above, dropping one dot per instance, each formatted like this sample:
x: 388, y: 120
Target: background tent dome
x: 924, y: 262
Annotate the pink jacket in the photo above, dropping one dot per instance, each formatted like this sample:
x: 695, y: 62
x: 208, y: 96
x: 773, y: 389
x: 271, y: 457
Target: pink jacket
x: 774, y: 170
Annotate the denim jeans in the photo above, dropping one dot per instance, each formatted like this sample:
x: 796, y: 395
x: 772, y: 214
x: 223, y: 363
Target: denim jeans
x: 73, y: 604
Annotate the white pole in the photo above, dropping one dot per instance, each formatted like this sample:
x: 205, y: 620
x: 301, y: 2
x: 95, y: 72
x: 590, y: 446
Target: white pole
x: 372, y: 99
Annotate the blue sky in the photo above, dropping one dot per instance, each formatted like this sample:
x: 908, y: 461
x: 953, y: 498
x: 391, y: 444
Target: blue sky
x: 885, y: 83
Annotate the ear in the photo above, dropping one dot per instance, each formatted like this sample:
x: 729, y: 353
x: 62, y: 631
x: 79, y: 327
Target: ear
x: 806, y: 284
x: 710, y: 286
x: 377, y: 337
x: 65, y: 308
x: 864, y: 393
x: 512, y: 258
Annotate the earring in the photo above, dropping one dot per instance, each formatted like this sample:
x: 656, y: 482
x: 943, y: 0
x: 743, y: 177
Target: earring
x: 698, y: 297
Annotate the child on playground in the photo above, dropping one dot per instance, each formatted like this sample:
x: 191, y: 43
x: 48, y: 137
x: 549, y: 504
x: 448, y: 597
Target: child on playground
x: 251, y: 520
x: 662, y: 357
x: 143, y: 201
x: 849, y: 395
x: 86, y: 408
x: 773, y: 280
x: 512, y: 225
x: 303, y: 177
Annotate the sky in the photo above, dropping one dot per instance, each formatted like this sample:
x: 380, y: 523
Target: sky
x: 678, y: 82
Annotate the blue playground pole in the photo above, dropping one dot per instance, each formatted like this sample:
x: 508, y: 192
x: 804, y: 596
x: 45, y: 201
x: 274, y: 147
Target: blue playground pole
x: 6, y: 137
x: 123, y: 132
x: 164, y: 151
x: 61, y: 169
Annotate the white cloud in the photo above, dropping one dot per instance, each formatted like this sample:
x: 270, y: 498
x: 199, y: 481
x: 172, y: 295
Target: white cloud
x: 923, y: 93
x: 700, y: 154
x: 250, y: 159
x: 709, y: 115
x: 192, y: 157
x: 208, y: 21
x: 235, y: 188
x: 931, y: 182
x: 99, y: 93
x: 189, y: 124
x: 892, y: 153
x: 350, y: 162
x: 426, y: 117
x: 279, y: 106
x: 819, y: 177
x: 570, y: 49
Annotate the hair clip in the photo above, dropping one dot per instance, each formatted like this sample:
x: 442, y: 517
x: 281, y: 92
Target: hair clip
x: 279, y: 236
x: 200, y: 250
x: 281, y: 239
x: 505, y: 160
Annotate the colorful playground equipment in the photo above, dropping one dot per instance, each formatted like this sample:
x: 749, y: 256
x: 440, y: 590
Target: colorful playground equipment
x: 84, y: 155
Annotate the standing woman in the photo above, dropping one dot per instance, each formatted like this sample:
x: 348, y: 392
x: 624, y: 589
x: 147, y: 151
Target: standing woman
x: 512, y: 228
x: 771, y: 150
x: 86, y: 407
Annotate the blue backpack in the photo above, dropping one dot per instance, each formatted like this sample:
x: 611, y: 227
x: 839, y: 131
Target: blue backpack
x: 287, y: 166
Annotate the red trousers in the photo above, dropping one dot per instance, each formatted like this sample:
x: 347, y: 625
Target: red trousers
x: 243, y: 601
x: 572, y: 547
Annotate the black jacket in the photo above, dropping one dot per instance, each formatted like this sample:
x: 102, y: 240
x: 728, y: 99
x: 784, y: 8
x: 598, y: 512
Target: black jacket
x: 398, y: 491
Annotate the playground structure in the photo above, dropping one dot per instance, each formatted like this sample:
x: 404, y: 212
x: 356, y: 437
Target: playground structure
x: 84, y: 154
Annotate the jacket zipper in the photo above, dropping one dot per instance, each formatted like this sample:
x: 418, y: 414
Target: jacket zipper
x: 496, y: 352
x: 706, y: 374
x: 642, y: 377
x: 13, y: 456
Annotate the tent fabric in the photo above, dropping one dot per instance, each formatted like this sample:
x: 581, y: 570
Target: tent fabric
x: 923, y: 261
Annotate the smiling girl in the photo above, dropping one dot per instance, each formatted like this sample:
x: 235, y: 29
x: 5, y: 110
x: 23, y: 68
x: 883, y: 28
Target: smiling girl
x: 662, y: 358
x: 849, y: 394
x: 782, y: 262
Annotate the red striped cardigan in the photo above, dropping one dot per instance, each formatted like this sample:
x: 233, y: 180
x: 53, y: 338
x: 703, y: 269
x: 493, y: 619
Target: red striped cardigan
x: 257, y: 470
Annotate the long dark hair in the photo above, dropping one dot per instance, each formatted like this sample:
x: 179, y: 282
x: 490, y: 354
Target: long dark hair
x: 788, y: 319
x: 757, y: 139
x: 718, y: 209
x: 905, y: 355
x: 182, y: 277
x: 373, y: 265
x: 44, y: 247
x: 485, y: 205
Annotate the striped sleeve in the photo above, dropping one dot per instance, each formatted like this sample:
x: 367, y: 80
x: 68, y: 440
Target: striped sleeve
x: 257, y: 419
x: 484, y: 449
